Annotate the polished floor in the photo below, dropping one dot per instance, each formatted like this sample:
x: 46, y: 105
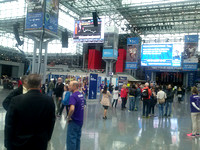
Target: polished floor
x: 123, y: 130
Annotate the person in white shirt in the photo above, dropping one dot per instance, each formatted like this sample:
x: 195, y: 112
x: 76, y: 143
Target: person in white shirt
x: 161, y: 96
x: 115, y: 97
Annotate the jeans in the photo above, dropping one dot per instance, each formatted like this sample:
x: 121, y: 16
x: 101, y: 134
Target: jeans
x: 115, y: 102
x: 50, y: 93
x: 123, y: 102
x: 161, y: 110
x: 168, y: 104
x: 73, y: 136
x: 131, y: 103
x: 151, y: 107
x: 136, y: 103
x: 146, y: 107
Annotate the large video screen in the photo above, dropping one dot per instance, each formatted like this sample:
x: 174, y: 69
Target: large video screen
x: 86, y: 32
x: 161, y: 54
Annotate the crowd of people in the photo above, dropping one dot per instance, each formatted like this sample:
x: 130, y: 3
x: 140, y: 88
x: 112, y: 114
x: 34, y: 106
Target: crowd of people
x: 31, y: 112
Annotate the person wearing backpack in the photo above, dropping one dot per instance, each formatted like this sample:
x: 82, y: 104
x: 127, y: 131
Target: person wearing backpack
x: 169, y: 100
x: 161, y: 96
x: 132, y: 94
x: 146, y: 95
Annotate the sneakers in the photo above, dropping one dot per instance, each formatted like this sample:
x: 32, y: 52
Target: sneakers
x: 191, y: 135
x: 165, y: 115
x: 129, y: 111
x: 197, y: 134
x: 169, y: 116
x: 135, y: 109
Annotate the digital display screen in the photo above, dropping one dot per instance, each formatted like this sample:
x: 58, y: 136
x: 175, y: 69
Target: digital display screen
x: 161, y: 54
x: 86, y: 32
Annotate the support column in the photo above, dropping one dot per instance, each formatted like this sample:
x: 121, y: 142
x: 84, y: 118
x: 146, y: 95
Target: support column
x: 0, y: 70
x: 34, y: 57
x: 45, y: 64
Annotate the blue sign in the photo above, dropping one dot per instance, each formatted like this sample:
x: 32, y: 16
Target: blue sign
x: 110, y: 53
x: 131, y: 65
x: 190, y: 66
x: 160, y: 55
x: 134, y: 40
x: 93, y: 86
x: 34, y: 18
x: 191, y: 38
x: 51, y: 15
x: 191, y: 78
x: 98, y: 84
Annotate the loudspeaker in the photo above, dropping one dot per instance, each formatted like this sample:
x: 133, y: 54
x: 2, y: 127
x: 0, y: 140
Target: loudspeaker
x: 16, y: 33
x: 95, y: 19
x: 65, y: 39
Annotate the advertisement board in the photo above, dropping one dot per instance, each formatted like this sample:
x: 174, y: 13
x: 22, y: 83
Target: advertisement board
x: 93, y: 86
x: 132, y: 53
x: 110, y: 53
x: 86, y: 32
x: 34, y: 17
x: 161, y: 55
x: 51, y: 15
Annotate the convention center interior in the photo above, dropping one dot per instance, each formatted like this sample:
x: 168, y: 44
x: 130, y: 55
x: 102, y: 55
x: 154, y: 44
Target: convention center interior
x: 99, y: 75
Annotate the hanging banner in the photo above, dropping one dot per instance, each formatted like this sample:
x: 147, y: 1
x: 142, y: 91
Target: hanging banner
x: 51, y: 15
x: 98, y: 84
x: 132, y: 53
x: 93, y: 86
x: 191, y: 78
x: 191, y: 49
x: 34, y: 17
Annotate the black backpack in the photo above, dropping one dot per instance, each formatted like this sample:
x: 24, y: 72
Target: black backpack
x: 145, y: 93
x: 132, y: 92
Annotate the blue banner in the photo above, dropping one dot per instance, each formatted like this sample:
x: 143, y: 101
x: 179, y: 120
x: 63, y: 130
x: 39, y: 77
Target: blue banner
x: 191, y: 38
x: 98, y: 84
x: 132, y: 41
x: 131, y: 65
x: 191, y: 78
x: 190, y: 66
x: 110, y: 53
x: 51, y: 15
x: 34, y: 17
x: 93, y: 86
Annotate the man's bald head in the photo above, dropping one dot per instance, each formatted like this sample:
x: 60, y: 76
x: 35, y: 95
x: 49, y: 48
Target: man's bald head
x: 73, y: 86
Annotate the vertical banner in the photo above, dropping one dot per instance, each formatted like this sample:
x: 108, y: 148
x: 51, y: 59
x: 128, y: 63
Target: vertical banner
x: 191, y: 49
x: 51, y: 15
x: 191, y: 78
x: 98, y: 84
x: 34, y: 17
x: 93, y: 86
x: 133, y: 47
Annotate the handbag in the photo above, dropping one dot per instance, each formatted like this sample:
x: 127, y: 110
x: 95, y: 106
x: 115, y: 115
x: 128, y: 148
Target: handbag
x: 161, y: 101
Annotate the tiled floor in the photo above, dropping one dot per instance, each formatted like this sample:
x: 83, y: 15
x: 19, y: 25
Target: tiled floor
x: 124, y: 130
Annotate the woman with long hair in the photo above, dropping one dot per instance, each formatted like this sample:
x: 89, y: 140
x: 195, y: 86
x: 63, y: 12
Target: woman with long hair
x: 105, y: 100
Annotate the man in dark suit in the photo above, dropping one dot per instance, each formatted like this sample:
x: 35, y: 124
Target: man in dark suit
x: 22, y: 89
x: 30, y: 119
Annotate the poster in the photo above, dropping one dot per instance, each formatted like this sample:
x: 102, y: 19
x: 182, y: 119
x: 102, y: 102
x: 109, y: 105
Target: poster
x: 93, y: 86
x: 191, y: 49
x: 51, y: 15
x: 191, y: 78
x: 34, y: 17
x: 132, y: 53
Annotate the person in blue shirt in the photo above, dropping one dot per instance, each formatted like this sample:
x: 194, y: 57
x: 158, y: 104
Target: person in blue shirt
x: 195, y: 112
x: 65, y: 100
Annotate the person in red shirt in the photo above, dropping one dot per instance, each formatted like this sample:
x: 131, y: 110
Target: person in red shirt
x: 19, y: 82
x: 146, y: 94
x: 123, y: 96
